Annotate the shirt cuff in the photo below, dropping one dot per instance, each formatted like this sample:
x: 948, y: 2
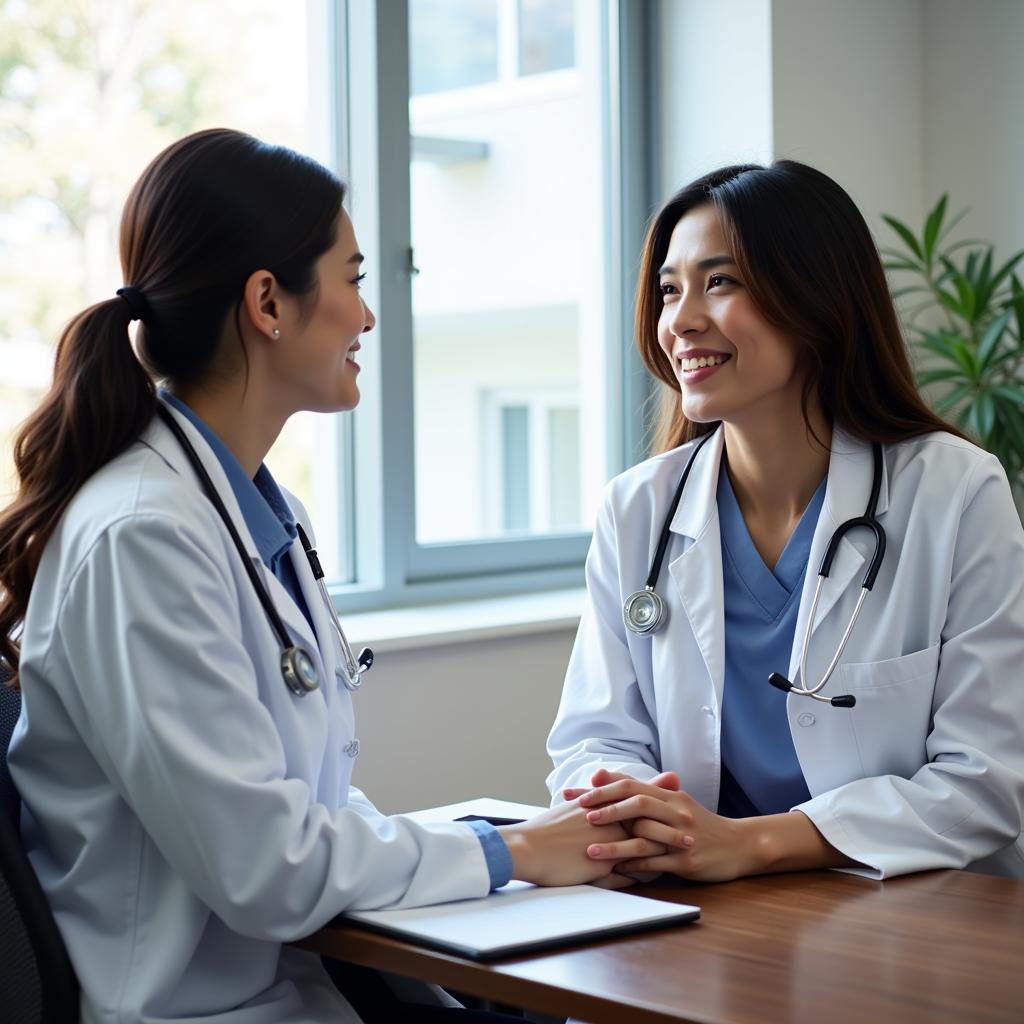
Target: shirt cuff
x: 499, y: 860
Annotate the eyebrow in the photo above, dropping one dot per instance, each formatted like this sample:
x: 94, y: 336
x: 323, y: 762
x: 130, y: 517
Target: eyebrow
x: 356, y: 257
x: 724, y: 260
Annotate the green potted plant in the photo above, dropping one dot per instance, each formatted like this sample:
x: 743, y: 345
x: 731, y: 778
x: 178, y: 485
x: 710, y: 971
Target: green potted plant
x: 967, y: 314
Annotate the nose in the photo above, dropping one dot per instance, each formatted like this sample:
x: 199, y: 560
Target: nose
x: 688, y: 314
x: 369, y: 320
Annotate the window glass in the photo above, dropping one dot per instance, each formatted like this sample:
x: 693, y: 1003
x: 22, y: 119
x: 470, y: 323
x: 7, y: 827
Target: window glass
x: 509, y: 239
x: 546, y: 35
x: 89, y: 94
x: 453, y: 44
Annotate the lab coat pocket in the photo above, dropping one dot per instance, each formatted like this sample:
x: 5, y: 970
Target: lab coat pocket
x: 892, y: 716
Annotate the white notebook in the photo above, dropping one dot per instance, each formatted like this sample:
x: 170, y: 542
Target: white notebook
x: 522, y: 918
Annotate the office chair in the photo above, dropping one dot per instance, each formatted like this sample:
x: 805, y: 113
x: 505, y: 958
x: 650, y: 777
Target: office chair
x: 37, y: 983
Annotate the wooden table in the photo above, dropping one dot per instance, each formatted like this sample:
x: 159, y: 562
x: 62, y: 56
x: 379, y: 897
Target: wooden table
x: 819, y: 947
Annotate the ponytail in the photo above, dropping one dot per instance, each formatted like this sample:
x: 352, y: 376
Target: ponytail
x: 211, y: 209
x: 100, y: 401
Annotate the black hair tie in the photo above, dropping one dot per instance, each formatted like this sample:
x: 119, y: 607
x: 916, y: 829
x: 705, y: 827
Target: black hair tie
x: 136, y: 302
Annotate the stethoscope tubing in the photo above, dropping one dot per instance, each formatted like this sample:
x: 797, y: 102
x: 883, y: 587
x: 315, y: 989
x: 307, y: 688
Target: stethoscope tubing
x: 293, y: 657
x: 649, y: 600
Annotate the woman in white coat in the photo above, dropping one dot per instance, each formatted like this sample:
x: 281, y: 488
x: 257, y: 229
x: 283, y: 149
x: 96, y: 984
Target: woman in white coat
x: 187, y: 803
x: 764, y: 311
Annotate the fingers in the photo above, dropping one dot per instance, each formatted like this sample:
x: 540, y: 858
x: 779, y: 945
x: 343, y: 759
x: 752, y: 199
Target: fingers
x: 614, y: 881
x: 625, y: 849
x: 667, y: 780
x: 641, y: 806
x: 669, y: 862
x: 666, y: 835
x: 620, y: 790
x: 573, y: 794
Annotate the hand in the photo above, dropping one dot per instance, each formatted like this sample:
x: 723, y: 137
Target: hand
x: 551, y: 848
x: 622, y: 876
x: 699, y: 844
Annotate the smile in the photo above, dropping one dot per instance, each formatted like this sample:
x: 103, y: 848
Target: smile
x: 699, y: 362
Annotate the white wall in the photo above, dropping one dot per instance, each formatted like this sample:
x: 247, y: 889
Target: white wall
x: 973, y: 117
x: 450, y: 723
x: 715, y: 86
x: 847, y: 87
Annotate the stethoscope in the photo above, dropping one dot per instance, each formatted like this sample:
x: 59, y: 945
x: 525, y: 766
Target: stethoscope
x: 644, y: 610
x: 297, y: 666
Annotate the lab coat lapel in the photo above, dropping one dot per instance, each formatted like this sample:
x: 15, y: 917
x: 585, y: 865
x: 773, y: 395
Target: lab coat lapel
x: 697, y: 572
x: 850, y: 471
x: 161, y: 440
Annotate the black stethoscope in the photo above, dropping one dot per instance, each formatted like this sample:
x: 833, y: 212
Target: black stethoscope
x: 644, y: 610
x: 297, y: 666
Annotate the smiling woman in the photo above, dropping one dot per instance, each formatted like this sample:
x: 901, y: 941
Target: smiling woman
x: 763, y: 309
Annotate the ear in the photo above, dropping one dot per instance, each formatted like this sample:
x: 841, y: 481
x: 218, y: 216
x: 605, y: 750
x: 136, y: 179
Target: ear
x: 261, y: 302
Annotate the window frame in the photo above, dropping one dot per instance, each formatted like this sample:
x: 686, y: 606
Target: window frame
x: 376, y: 525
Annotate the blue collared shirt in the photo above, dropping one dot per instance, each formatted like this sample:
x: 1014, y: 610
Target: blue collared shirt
x: 272, y: 525
x: 760, y: 770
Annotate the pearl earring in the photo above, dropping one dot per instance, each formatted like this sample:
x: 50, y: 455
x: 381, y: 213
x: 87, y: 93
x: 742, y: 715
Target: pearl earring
x: 276, y: 332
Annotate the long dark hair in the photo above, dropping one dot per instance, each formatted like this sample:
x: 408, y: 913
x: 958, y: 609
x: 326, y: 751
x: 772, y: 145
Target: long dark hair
x: 811, y: 267
x: 209, y: 211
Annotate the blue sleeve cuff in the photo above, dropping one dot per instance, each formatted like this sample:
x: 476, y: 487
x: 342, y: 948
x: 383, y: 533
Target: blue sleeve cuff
x: 499, y: 860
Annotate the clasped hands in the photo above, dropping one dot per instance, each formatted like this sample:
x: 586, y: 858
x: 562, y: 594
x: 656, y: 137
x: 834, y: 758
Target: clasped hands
x: 667, y: 830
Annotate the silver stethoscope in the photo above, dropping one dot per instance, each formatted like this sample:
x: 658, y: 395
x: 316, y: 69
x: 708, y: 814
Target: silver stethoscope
x: 644, y: 610
x: 297, y: 665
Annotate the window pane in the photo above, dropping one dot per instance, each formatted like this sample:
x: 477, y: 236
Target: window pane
x: 564, y: 468
x: 90, y: 93
x: 515, y: 462
x: 509, y: 235
x: 546, y: 35
x: 453, y: 44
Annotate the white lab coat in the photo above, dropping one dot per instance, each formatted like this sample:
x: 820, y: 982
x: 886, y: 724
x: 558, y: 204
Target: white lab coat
x: 185, y: 812
x: 927, y: 771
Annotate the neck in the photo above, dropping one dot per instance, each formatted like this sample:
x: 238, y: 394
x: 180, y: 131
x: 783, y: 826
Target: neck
x: 239, y: 414
x: 775, y: 465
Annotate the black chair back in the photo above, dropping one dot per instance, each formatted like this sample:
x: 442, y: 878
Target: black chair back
x: 37, y: 983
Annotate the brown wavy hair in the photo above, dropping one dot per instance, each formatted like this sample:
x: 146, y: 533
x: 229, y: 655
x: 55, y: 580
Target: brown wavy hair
x: 208, y: 211
x: 810, y: 264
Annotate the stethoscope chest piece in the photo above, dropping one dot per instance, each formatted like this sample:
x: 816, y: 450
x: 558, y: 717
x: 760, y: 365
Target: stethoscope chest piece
x: 299, y: 671
x: 644, y: 611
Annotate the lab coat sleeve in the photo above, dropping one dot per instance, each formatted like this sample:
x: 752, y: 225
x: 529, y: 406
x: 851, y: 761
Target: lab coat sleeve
x: 967, y: 802
x: 602, y: 720
x: 166, y: 698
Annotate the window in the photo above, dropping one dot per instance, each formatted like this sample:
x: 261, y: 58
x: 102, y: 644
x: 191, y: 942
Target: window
x: 497, y: 191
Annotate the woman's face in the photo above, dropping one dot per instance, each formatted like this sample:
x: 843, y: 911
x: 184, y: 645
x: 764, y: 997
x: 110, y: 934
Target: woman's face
x: 315, y: 362
x: 731, y: 364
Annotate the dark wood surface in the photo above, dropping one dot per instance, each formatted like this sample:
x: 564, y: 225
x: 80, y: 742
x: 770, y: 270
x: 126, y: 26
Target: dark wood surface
x: 821, y: 947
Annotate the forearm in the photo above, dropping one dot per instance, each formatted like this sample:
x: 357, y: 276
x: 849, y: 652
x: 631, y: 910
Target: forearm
x: 788, y: 842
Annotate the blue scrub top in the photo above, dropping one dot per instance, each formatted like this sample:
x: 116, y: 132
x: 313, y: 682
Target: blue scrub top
x: 760, y: 770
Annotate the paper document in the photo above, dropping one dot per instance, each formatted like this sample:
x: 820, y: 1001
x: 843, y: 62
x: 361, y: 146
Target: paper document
x: 521, y: 918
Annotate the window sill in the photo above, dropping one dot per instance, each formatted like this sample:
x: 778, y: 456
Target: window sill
x: 456, y: 622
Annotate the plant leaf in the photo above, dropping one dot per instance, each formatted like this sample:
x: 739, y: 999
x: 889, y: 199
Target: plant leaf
x: 992, y: 336
x: 952, y: 223
x: 952, y: 397
x: 901, y: 264
x: 906, y: 234
x: 927, y: 377
x: 1017, y: 299
x: 932, y: 226
x: 984, y: 415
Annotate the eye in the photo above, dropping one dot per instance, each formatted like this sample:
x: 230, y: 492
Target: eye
x: 715, y: 280
x: 358, y: 278
x: 667, y: 289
